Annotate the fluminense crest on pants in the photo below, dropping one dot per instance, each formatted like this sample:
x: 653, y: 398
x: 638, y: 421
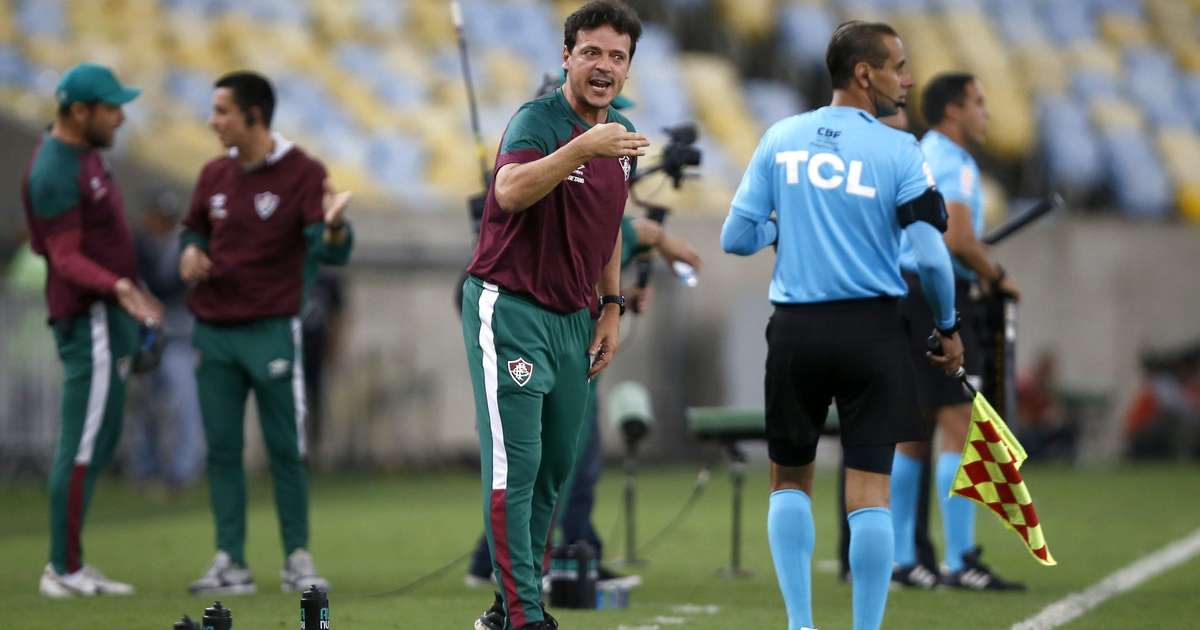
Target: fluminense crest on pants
x: 520, y: 370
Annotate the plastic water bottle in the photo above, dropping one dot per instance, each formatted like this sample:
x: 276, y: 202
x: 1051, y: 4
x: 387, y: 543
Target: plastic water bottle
x: 686, y: 273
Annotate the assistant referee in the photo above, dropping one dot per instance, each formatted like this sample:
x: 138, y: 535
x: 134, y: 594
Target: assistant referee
x: 843, y: 187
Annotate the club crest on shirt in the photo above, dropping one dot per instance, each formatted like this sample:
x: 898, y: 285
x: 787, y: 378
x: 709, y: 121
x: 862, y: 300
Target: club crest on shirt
x: 520, y: 370
x: 216, y: 206
x: 626, y: 165
x: 265, y: 204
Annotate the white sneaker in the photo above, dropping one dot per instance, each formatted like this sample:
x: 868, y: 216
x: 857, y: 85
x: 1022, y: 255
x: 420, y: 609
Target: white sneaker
x: 57, y: 586
x: 299, y: 573
x: 105, y: 585
x: 470, y: 580
x: 224, y: 578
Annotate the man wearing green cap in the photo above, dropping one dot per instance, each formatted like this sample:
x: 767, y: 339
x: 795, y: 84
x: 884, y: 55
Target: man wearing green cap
x: 77, y: 221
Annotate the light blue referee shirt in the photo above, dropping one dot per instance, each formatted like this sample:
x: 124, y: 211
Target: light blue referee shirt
x: 834, y: 178
x: 957, y: 177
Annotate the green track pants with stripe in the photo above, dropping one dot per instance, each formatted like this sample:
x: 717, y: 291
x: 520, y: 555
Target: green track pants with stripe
x: 529, y: 373
x: 263, y: 356
x: 96, y: 349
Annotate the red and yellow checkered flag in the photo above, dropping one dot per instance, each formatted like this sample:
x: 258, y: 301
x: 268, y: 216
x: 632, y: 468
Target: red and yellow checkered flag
x: 990, y: 474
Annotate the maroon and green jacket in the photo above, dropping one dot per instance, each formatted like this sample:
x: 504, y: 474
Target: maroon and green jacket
x: 77, y: 221
x: 258, y: 225
x: 554, y: 251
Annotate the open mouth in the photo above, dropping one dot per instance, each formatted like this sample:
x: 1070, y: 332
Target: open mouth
x: 600, y: 84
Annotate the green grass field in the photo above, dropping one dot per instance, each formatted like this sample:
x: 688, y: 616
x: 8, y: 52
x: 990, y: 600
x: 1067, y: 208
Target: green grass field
x: 375, y: 534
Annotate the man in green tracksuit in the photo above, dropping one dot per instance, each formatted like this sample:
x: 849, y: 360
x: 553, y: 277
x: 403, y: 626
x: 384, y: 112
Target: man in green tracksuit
x: 77, y: 221
x: 259, y: 217
x: 549, y: 242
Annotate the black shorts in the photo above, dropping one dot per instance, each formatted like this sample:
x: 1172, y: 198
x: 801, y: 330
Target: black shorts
x: 854, y: 353
x: 934, y: 388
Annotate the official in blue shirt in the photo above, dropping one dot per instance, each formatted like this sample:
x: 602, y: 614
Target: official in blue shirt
x: 843, y: 187
x: 955, y: 108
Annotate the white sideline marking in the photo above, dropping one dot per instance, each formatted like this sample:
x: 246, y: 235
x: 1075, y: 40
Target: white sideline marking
x: 1075, y: 605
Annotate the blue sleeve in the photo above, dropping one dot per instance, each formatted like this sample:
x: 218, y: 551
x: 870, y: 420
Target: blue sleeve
x: 935, y: 270
x: 754, y: 199
x: 955, y: 180
x: 912, y: 172
x: 744, y: 237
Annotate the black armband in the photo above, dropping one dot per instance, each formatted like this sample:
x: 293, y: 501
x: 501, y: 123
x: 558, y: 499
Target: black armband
x: 928, y: 207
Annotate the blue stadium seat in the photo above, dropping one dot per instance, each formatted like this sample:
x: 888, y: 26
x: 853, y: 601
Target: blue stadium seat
x: 662, y: 98
x: 1089, y: 84
x: 1069, y: 21
x: 192, y: 89
x: 805, y: 30
x: 1153, y: 84
x: 1069, y: 145
x: 772, y: 101
x: 1190, y: 87
x: 1139, y: 180
x: 1018, y: 21
x: 389, y: 84
x: 15, y: 71
x: 45, y: 18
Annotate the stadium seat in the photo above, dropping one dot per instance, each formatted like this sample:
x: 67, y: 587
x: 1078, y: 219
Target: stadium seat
x: 1181, y: 153
x: 1069, y: 147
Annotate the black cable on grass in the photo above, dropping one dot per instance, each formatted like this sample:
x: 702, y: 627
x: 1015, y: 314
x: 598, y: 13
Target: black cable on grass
x: 697, y: 491
x: 421, y: 581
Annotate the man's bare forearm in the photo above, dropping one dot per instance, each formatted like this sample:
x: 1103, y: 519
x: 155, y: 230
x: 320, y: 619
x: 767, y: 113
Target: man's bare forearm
x: 610, y: 278
x: 519, y: 186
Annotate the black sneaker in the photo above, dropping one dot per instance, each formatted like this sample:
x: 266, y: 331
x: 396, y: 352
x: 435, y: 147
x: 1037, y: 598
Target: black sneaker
x: 493, y: 618
x: 977, y: 576
x: 914, y: 576
x: 607, y: 578
x: 548, y: 622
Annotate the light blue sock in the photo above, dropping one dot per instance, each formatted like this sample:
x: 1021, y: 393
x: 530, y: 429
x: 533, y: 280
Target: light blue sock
x: 791, y: 534
x: 906, y: 487
x: 870, y: 564
x: 958, y: 513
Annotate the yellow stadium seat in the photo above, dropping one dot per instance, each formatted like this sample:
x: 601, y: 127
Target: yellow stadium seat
x: 1095, y: 56
x: 1123, y: 30
x: 995, y: 201
x: 1188, y: 55
x: 1188, y: 199
x: 429, y: 23
x: 717, y: 96
x: 1115, y: 113
x: 928, y: 51
x: 750, y: 20
x: 1042, y: 68
x: 1180, y: 149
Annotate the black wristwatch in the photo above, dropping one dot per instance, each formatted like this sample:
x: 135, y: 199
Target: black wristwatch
x: 619, y: 300
x: 947, y: 332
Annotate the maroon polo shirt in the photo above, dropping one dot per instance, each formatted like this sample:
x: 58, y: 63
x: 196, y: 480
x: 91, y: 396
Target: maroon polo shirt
x: 555, y: 250
x: 252, y: 223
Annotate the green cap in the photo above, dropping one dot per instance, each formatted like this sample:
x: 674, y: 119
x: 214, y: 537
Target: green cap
x: 90, y: 82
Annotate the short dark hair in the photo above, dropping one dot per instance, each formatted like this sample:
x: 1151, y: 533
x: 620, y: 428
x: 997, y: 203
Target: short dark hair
x: 950, y: 87
x: 620, y: 16
x: 250, y: 89
x: 853, y: 42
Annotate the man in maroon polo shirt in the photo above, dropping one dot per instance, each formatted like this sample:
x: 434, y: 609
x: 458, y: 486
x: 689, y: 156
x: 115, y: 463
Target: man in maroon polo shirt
x: 257, y: 214
x: 549, y: 244
x: 77, y: 221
